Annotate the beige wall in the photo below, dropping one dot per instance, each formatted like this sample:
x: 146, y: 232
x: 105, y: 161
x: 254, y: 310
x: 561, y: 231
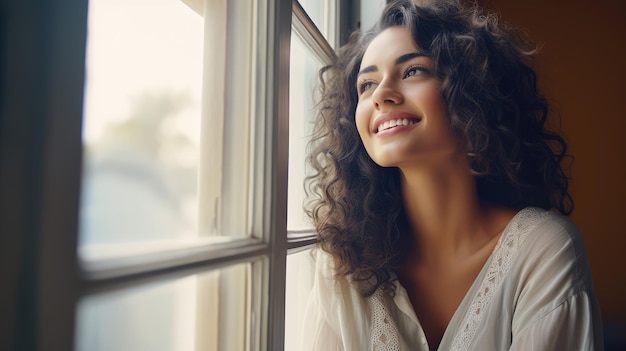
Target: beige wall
x: 582, y: 70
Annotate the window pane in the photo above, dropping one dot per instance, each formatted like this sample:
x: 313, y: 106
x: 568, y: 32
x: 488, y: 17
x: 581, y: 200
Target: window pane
x: 303, y: 81
x: 141, y: 124
x: 322, y: 13
x: 154, y: 121
x: 300, y: 268
x: 179, y: 315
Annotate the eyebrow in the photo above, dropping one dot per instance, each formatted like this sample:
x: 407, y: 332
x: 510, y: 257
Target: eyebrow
x: 402, y: 59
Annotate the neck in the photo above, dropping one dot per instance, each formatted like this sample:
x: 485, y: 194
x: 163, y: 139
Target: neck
x: 444, y: 213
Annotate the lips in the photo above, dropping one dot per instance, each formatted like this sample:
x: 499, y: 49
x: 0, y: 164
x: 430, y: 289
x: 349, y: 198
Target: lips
x: 393, y: 120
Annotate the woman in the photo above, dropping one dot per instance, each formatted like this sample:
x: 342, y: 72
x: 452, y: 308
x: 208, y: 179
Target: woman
x: 434, y: 176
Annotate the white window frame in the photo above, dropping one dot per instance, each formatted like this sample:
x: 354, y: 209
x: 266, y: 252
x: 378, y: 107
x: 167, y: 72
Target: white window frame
x: 43, y: 60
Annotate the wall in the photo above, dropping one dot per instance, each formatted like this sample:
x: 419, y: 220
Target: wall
x: 582, y: 70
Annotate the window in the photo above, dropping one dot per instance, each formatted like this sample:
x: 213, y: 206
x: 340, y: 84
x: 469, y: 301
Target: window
x: 153, y: 167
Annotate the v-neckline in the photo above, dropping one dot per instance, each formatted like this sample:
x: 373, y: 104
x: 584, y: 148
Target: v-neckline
x: 462, y: 309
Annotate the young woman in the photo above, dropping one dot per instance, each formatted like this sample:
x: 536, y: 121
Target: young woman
x: 435, y: 174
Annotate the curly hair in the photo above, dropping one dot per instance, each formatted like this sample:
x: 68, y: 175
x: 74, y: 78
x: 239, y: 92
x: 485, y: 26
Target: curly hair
x: 494, y: 108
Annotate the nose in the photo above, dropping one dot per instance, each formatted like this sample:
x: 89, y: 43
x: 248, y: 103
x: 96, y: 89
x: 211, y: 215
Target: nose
x: 386, y: 93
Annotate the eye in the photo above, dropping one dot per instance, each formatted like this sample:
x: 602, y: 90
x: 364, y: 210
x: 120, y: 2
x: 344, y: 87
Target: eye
x: 364, y: 86
x: 415, y: 71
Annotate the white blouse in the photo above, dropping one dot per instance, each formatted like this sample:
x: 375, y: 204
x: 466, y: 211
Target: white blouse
x: 533, y: 293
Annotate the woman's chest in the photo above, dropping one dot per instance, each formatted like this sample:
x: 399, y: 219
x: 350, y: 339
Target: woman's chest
x: 436, y: 294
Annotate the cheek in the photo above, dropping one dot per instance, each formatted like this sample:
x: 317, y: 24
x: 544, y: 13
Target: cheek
x: 361, y: 118
x: 433, y: 101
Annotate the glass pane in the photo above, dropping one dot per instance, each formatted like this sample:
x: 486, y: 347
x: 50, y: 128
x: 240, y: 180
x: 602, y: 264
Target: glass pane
x: 154, y: 121
x: 300, y: 268
x: 322, y: 13
x: 303, y: 81
x: 178, y: 315
x: 141, y: 121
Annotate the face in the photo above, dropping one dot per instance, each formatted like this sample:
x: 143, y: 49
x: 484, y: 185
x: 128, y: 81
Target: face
x: 400, y: 115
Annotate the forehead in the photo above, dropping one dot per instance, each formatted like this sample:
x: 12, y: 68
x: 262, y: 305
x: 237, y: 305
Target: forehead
x: 389, y: 45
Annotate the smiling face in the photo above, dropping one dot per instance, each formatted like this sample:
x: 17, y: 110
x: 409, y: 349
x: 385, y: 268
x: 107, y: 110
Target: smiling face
x: 400, y: 115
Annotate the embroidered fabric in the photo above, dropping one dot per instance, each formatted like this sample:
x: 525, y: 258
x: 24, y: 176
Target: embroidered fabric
x: 384, y: 330
x: 503, y: 256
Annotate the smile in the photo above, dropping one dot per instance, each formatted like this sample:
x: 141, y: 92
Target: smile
x: 395, y: 123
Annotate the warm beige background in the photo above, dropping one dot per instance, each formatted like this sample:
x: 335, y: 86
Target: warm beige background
x: 582, y: 70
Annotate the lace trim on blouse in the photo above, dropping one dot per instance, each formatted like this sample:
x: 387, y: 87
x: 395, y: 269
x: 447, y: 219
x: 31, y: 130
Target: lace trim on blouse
x: 384, y: 330
x: 504, y: 255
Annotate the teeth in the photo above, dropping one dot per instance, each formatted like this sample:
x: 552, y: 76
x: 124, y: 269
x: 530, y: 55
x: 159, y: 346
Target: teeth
x: 395, y: 122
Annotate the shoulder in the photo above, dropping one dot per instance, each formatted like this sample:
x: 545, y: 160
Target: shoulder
x: 333, y: 290
x: 550, y: 238
x: 550, y: 277
x: 337, y: 301
x: 536, y: 220
x: 551, y: 262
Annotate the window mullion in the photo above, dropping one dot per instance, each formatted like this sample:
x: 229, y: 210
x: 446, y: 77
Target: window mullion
x: 271, y: 216
x: 309, y: 33
x: 208, y: 255
x: 212, y: 126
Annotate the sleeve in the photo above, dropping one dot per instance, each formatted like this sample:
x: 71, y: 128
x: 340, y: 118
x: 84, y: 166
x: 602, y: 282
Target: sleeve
x: 556, y: 307
x: 317, y: 332
x: 570, y: 326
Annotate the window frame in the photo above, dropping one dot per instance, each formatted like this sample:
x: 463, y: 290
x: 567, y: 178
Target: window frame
x: 43, y: 59
x: 40, y: 166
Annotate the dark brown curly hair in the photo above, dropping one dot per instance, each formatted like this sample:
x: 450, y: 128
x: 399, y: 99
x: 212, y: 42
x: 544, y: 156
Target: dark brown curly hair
x: 494, y: 107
